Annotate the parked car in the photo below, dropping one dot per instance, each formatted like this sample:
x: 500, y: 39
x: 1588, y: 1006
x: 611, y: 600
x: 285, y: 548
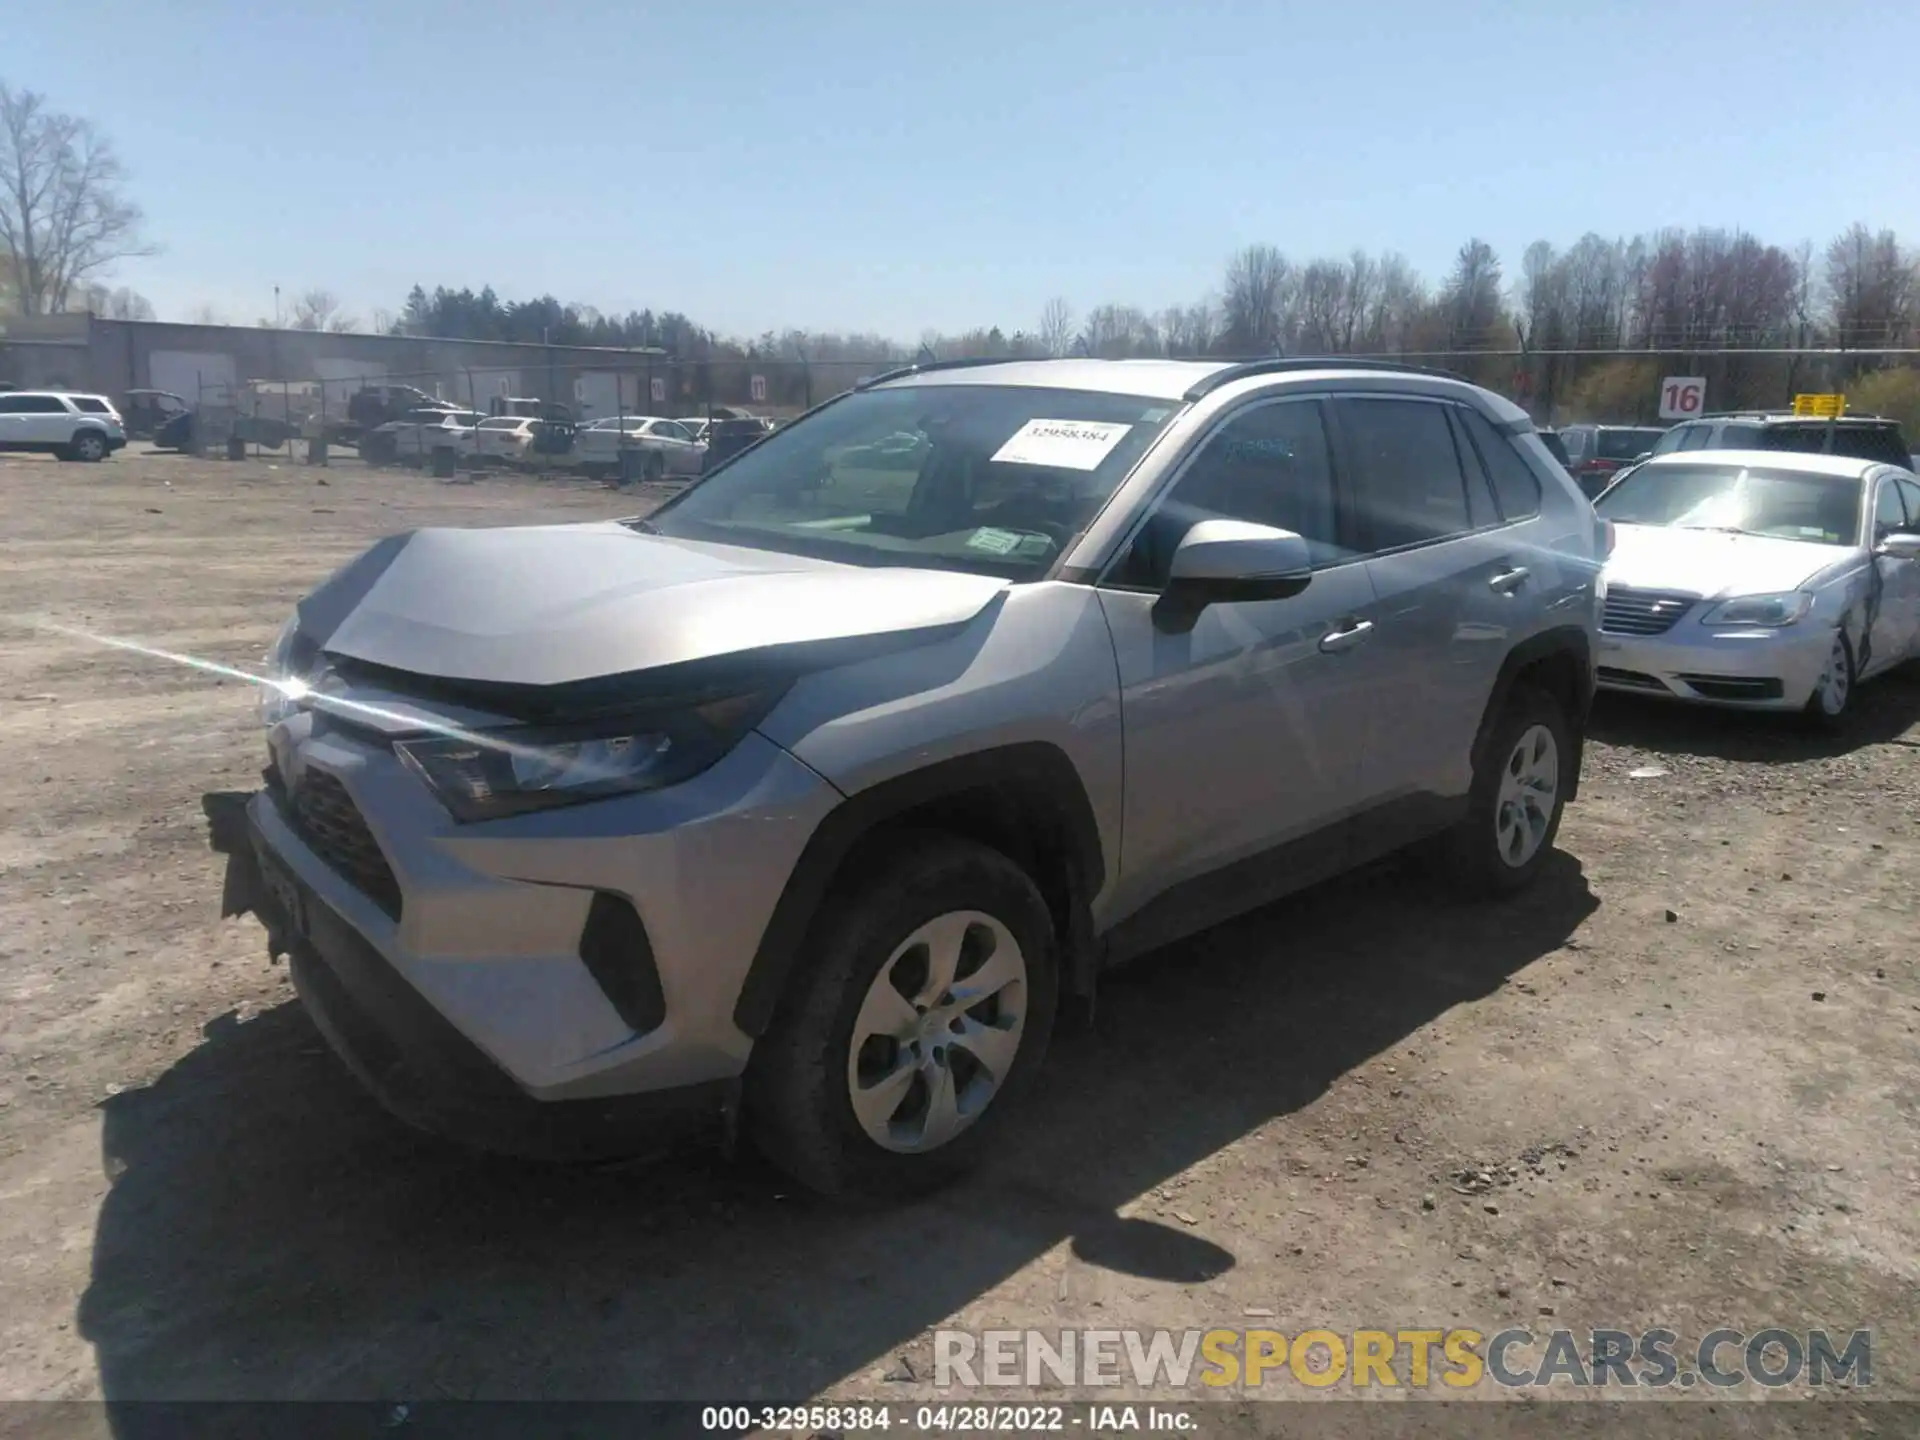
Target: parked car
x: 806, y: 796
x: 176, y: 432
x: 413, y: 439
x: 645, y: 446
x: 1595, y: 452
x: 1556, y: 446
x: 62, y: 423
x: 143, y: 412
x: 1864, y: 437
x: 509, y: 439
x: 1761, y: 580
x: 727, y: 438
x: 696, y: 426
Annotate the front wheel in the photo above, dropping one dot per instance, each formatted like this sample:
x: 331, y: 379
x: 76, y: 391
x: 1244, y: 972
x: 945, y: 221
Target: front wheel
x: 921, y: 1009
x: 1518, y: 794
x: 1832, y: 699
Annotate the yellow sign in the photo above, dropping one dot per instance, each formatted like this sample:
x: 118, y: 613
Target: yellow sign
x: 1825, y: 406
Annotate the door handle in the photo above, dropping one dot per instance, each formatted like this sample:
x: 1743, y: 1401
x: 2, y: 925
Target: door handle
x: 1508, y: 581
x: 1334, y: 641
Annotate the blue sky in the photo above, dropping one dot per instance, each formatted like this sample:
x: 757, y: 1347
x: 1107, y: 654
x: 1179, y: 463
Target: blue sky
x: 903, y: 166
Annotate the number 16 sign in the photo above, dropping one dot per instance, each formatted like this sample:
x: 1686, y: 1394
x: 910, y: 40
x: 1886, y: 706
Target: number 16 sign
x: 1682, y: 397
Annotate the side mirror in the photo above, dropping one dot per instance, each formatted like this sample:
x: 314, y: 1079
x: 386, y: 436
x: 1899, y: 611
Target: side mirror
x: 1232, y: 560
x: 1900, y: 546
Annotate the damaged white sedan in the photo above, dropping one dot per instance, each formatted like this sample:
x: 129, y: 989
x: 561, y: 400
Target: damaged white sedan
x: 1760, y: 580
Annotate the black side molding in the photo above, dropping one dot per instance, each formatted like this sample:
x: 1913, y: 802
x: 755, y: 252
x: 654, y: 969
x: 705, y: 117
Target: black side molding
x: 1033, y: 782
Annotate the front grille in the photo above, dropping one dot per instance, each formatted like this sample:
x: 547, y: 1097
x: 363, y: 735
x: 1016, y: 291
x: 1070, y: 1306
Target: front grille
x: 1632, y: 678
x: 1736, y: 687
x: 323, y: 814
x: 1643, y: 612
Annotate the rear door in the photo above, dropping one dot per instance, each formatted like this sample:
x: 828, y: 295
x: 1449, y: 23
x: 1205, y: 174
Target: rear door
x: 1451, y: 584
x: 47, y: 420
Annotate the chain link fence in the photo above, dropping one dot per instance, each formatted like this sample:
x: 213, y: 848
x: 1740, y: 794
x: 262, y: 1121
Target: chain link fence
x: 1557, y: 387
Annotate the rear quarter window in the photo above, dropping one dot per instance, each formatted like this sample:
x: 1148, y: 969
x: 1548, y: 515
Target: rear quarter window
x: 87, y: 405
x: 1515, y: 486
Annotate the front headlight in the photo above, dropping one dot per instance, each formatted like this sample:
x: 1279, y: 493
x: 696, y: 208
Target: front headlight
x: 286, y: 665
x: 487, y: 775
x: 1765, y: 611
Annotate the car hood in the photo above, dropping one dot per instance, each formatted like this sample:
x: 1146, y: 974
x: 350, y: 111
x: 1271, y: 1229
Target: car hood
x: 550, y: 605
x: 1712, y: 563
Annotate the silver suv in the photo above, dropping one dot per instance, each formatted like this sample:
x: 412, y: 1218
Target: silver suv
x: 803, y: 800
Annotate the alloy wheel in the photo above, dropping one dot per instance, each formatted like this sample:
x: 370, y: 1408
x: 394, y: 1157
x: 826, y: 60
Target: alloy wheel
x: 938, y: 1033
x: 1529, y: 783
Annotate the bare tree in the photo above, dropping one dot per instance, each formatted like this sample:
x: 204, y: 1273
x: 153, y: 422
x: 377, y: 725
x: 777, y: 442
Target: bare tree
x: 316, y: 310
x: 1056, y: 327
x: 121, y: 304
x: 205, y: 314
x: 1870, y: 282
x: 1258, y: 290
x: 1472, y: 297
x: 63, y: 218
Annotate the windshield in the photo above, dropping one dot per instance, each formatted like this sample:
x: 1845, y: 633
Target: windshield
x: 1789, y: 504
x: 501, y: 424
x: 997, y: 480
x: 1625, y: 444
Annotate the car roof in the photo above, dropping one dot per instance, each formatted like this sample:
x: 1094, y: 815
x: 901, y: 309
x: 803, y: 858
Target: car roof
x: 1843, y: 467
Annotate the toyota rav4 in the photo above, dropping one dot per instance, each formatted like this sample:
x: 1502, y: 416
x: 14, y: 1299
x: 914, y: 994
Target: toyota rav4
x: 803, y: 800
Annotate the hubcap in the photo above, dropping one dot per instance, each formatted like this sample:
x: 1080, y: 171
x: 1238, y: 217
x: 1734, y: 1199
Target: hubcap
x: 1528, y: 784
x: 1835, y: 682
x: 938, y: 1032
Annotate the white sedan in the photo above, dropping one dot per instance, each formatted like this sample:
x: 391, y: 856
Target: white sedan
x: 505, y: 438
x: 658, y: 448
x: 1760, y: 579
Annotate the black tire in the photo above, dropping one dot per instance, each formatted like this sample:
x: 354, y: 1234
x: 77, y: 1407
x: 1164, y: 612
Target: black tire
x: 797, y: 1106
x: 89, y: 447
x: 1817, y: 717
x: 656, y: 467
x: 1471, y: 853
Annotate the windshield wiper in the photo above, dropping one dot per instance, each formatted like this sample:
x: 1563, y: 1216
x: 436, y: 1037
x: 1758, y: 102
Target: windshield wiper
x: 1725, y: 530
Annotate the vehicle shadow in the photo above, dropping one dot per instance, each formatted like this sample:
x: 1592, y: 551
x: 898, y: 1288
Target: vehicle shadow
x: 271, y: 1234
x: 1885, y: 711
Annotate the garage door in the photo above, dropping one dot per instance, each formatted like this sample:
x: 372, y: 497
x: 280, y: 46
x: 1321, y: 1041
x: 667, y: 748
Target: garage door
x: 596, y: 394
x: 196, y: 376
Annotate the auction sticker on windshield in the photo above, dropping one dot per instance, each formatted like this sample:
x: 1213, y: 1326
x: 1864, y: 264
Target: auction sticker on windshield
x: 1061, y: 444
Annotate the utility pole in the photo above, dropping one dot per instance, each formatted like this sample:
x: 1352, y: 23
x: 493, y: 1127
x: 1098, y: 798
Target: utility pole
x: 276, y: 307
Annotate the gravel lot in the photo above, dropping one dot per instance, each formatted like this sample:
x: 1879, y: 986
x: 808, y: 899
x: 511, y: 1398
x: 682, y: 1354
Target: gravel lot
x: 1685, y: 1065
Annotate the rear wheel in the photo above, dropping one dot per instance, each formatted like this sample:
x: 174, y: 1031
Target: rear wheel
x: 656, y: 466
x: 1518, y: 794
x: 89, y: 447
x: 921, y: 1010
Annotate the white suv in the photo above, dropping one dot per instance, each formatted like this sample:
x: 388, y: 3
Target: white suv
x: 57, y: 422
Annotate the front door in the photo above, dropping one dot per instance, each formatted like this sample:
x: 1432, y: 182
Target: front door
x: 1896, y: 616
x: 1244, y: 732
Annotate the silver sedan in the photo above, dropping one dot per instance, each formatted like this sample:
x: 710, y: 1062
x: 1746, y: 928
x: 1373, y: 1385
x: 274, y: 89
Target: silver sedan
x: 1759, y: 579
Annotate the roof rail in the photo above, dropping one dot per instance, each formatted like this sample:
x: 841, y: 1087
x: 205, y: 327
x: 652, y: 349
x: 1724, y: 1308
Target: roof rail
x: 922, y: 369
x: 1277, y: 365
x: 1782, y: 414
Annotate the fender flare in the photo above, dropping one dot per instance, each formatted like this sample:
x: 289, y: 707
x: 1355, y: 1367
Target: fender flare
x: 1569, y: 640
x: 1035, y: 778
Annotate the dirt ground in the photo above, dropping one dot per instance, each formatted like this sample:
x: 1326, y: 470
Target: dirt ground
x: 1686, y: 1064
